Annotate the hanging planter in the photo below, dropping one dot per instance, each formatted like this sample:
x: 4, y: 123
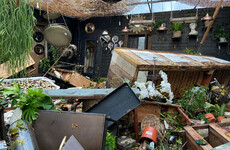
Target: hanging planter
x: 221, y: 33
x: 176, y: 28
x: 16, y: 33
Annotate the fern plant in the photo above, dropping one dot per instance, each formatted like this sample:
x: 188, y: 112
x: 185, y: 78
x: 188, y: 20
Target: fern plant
x: 176, y: 27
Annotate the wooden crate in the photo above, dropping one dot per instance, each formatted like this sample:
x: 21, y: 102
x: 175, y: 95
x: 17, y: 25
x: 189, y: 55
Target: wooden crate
x: 183, y: 70
x: 156, y: 108
x: 216, y: 136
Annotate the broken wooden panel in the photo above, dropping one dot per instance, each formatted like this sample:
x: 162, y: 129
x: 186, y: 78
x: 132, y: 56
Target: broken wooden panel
x: 152, y: 107
x: 51, y: 127
x: 4, y: 69
x: 119, y: 69
x: 223, y: 76
x: 76, y: 79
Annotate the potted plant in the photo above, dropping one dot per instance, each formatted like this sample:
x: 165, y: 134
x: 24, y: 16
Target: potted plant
x: 218, y: 111
x: 110, y: 141
x: 176, y: 28
x: 220, y: 33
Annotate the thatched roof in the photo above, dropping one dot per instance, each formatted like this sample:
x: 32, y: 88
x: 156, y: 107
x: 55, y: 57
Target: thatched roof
x: 87, y: 8
x: 205, y: 3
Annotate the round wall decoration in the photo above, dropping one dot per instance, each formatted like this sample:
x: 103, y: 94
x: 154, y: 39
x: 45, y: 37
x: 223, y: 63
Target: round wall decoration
x: 115, y: 39
x: 110, y: 45
x: 89, y: 28
x: 39, y: 49
x: 38, y: 37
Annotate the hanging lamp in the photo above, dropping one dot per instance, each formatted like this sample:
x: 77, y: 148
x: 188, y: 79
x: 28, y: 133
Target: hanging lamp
x: 56, y: 34
x: 207, y: 17
x: 162, y: 27
x: 111, y: 1
x: 125, y: 29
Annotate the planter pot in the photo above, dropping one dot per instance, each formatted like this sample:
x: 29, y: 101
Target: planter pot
x: 210, y: 117
x: 206, y: 23
x: 176, y: 34
x: 222, y: 39
x: 149, y: 133
x: 220, y: 118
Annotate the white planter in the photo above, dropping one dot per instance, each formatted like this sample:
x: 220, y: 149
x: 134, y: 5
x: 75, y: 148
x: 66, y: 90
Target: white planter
x: 222, y: 39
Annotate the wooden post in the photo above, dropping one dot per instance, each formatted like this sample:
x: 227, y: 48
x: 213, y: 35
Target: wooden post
x: 211, y: 23
x: 126, y: 40
x: 207, y: 78
x: 136, y: 124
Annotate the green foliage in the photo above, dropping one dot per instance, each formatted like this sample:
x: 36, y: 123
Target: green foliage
x: 193, y: 100
x: 16, y: 32
x: 220, y: 31
x: 158, y: 24
x: 176, y: 27
x: 217, y: 110
x: 164, y: 145
x: 174, y: 120
x: 44, y: 64
x: 110, y: 141
x: 191, y: 51
x: 54, y: 52
x: 29, y: 102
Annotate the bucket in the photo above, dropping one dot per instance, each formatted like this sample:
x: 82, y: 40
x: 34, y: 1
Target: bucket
x: 149, y: 133
x: 210, y: 117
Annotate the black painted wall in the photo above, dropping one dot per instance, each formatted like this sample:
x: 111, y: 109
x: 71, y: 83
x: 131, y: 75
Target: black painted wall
x: 160, y: 41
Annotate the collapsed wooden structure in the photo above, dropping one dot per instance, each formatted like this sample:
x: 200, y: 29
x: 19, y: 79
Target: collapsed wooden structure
x: 183, y: 70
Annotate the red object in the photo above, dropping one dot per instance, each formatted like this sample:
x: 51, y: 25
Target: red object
x: 149, y: 133
x: 185, y: 117
x: 220, y: 118
x: 210, y: 117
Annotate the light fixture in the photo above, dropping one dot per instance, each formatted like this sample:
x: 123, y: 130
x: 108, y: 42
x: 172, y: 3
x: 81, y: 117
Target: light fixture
x: 111, y: 1
x: 162, y: 27
x: 125, y: 29
x: 207, y: 17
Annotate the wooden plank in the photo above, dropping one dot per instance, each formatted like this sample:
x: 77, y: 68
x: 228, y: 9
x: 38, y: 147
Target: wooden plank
x: 205, y: 126
x: 75, y: 78
x: 81, y: 93
x: 124, y: 63
x: 219, y: 134
x: 192, y: 135
x: 4, y: 69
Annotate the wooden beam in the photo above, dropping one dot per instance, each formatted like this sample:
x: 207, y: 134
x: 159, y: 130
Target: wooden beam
x: 192, y: 136
x: 219, y: 133
x: 81, y: 93
x: 211, y: 23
